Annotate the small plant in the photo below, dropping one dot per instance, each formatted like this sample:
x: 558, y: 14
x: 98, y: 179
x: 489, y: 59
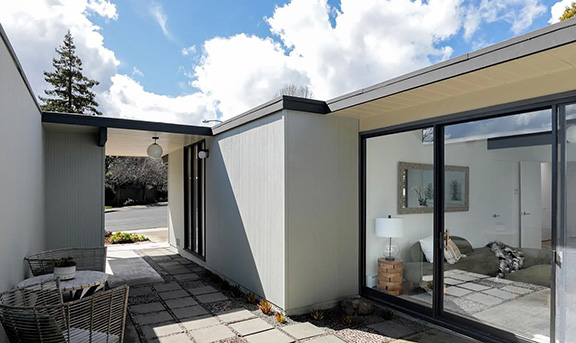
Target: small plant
x: 265, y: 306
x: 64, y: 262
x: 225, y: 285
x: 430, y: 285
x: 236, y: 291
x: 251, y: 298
x: 280, y: 318
x: 387, y: 314
x: 317, y: 314
x: 347, y: 319
x: 125, y: 237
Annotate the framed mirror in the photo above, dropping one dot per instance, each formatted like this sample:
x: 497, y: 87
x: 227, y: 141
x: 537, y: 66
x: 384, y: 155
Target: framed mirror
x: 416, y: 188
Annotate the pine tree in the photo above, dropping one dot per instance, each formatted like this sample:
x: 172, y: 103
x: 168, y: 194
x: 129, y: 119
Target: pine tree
x: 71, y: 93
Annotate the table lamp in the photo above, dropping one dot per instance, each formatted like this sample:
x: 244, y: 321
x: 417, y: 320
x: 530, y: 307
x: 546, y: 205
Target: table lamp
x: 389, y: 227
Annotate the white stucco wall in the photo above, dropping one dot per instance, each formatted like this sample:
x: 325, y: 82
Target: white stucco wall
x: 321, y: 210
x: 21, y: 175
x: 74, y: 188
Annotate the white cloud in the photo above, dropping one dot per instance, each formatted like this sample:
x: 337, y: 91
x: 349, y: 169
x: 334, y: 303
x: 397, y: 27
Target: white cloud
x: 158, y: 14
x: 557, y: 10
x: 333, y: 51
x: 189, y: 50
x: 103, y: 8
x: 137, y: 72
x: 128, y: 99
x: 520, y: 14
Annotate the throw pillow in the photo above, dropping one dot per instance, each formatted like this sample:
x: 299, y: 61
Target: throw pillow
x: 427, y: 246
x: 452, y: 254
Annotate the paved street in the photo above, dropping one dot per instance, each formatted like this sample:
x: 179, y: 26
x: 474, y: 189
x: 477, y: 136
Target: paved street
x: 136, y: 218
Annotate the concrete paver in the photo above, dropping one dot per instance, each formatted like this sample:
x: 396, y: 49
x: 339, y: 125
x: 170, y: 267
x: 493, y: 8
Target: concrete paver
x: 251, y: 326
x: 154, y: 331
x: 203, y: 290
x: 303, y: 330
x: 189, y: 276
x: 165, y: 287
x: 326, y: 339
x: 179, y: 338
x: 269, y: 336
x: 188, y: 312
x: 180, y: 302
x: 153, y: 318
x: 200, y: 322
x: 235, y: 315
x: 147, y: 308
x: 391, y: 329
x: 173, y: 295
x: 211, y: 298
x: 212, y: 334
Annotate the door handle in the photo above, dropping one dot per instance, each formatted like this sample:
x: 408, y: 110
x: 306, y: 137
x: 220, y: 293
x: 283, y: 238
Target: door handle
x: 525, y: 213
x: 495, y: 215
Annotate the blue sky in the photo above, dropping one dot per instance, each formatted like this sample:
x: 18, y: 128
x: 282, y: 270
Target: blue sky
x: 186, y: 60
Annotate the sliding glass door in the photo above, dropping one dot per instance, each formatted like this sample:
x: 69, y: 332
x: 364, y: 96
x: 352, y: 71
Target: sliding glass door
x: 498, y: 222
x: 469, y: 221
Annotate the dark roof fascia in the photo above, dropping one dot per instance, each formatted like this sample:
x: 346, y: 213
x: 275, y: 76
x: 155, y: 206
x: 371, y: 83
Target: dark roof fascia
x: 547, y: 38
x: 18, y: 66
x: 284, y: 102
x: 119, y: 123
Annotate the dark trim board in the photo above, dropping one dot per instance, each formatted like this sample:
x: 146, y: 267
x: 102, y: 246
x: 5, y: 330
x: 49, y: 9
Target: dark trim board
x: 119, y: 123
x: 530, y: 139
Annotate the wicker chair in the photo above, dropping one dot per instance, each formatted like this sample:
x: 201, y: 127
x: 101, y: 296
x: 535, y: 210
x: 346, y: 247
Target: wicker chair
x: 86, y: 259
x: 37, y: 314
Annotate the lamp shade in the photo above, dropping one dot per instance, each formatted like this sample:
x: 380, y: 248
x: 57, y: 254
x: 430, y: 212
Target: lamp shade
x: 154, y: 150
x: 388, y: 227
x: 571, y: 134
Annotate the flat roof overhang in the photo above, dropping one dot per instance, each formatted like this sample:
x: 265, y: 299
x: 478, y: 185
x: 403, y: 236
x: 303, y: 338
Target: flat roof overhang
x: 125, y: 137
x: 538, y: 64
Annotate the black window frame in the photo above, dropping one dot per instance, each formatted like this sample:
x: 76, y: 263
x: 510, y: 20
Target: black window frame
x: 195, y: 201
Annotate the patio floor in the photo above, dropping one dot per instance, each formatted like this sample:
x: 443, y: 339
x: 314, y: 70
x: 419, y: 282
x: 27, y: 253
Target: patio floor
x: 175, y: 300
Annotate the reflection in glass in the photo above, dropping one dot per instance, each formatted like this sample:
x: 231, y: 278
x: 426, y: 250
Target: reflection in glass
x: 497, y: 258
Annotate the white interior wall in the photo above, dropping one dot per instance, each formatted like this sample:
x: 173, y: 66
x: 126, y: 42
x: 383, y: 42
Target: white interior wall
x: 494, y: 189
x: 321, y: 210
x: 21, y: 175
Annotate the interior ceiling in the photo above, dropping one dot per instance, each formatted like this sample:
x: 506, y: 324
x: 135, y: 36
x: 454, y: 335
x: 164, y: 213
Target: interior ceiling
x: 541, y: 74
x: 122, y: 142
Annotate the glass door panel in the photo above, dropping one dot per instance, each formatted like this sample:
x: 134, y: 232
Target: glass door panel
x: 498, y: 222
x: 566, y: 238
x: 399, y: 183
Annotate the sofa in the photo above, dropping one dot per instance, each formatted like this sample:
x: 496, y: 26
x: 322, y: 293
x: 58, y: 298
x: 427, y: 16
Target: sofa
x: 536, y: 270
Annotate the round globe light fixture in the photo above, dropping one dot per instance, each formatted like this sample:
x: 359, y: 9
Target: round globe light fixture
x: 571, y: 134
x: 202, y: 154
x: 154, y: 150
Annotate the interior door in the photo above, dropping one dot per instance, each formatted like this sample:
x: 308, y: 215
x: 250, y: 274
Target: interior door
x: 530, y: 205
x: 504, y: 195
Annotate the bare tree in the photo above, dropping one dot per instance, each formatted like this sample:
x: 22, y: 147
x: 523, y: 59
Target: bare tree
x: 293, y: 90
x: 145, y: 172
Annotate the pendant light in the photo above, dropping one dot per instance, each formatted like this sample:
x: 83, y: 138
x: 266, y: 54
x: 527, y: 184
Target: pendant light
x: 154, y: 150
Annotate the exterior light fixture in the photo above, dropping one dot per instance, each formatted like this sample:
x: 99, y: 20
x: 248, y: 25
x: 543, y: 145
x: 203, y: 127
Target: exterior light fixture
x: 389, y: 227
x: 206, y: 121
x: 202, y: 154
x: 154, y: 150
x: 571, y: 134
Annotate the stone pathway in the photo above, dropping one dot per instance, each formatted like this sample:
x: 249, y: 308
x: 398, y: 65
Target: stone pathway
x: 174, y: 300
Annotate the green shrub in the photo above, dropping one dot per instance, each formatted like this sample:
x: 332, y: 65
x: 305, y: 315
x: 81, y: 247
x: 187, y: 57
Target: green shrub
x: 387, y: 314
x: 125, y: 237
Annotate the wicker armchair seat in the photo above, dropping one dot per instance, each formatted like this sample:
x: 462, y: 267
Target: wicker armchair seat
x: 38, y: 314
x: 86, y: 259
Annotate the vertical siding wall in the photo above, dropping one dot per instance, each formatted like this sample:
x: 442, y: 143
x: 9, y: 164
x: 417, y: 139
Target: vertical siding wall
x: 245, y: 206
x: 74, y: 190
x: 21, y: 174
x: 322, y: 210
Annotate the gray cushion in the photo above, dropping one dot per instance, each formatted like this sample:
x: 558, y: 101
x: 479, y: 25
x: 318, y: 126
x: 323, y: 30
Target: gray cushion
x: 416, y: 254
x: 537, y: 275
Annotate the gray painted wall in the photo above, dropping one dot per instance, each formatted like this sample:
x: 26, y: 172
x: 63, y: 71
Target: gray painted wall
x: 21, y: 175
x: 74, y: 189
x: 321, y: 210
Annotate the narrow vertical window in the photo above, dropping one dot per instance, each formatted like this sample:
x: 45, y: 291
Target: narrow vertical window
x: 194, y: 199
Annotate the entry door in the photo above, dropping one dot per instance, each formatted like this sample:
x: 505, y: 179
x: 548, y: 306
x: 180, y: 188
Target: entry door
x: 530, y: 205
x: 194, y: 199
